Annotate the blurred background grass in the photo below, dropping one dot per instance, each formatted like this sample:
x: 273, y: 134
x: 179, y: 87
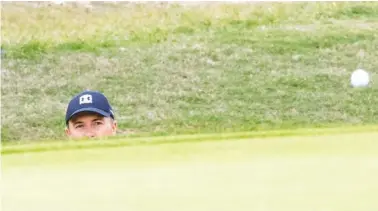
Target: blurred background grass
x: 172, y: 68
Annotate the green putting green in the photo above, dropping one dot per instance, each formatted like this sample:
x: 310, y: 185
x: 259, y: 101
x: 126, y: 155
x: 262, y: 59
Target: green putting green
x: 314, y: 172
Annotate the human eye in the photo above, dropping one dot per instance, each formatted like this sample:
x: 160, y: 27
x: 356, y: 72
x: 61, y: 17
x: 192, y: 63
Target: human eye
x: 78, y: 126
x: 98, y: 122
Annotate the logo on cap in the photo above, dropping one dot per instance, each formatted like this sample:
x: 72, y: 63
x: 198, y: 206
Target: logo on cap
x: 85, y: 99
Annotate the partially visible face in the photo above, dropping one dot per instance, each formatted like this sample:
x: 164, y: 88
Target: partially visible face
x: 90, y: 125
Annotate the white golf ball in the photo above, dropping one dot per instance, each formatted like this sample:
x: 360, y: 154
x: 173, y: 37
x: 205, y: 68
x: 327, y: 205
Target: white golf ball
x: 360, y: 78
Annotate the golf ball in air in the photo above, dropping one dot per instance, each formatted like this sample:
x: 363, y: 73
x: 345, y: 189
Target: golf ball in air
x: 360, y: 78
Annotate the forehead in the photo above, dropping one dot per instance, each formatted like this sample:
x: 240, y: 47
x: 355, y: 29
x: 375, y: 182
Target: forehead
x: 86, y: 116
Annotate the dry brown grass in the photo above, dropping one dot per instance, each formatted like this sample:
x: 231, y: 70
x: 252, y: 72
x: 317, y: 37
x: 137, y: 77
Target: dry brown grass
x: 171, y: 68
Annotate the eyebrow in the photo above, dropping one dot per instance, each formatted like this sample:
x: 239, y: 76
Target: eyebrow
x: 76, y: 122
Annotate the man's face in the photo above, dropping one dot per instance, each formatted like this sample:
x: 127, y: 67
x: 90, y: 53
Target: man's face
x: 90, y: 125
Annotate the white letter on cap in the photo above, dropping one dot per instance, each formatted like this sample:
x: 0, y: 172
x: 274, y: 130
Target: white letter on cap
x: 85, y: 99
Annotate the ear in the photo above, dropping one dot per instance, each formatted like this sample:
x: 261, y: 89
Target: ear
x: 67, y: 131
x: 114, y: 127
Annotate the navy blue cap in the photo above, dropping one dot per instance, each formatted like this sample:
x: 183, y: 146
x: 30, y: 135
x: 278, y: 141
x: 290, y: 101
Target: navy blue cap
x: 92, y: 101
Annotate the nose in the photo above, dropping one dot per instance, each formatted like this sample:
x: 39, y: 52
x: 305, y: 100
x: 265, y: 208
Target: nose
x: 90, y: 133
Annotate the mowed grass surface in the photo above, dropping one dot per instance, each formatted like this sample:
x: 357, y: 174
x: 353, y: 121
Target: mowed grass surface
x: 189, y: 68
x: 330, y: 172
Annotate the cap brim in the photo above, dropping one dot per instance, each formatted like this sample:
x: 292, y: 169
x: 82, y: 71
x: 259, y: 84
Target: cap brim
x: 95, y: 110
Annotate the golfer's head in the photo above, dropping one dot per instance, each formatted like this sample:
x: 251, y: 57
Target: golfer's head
x: 89, y: 114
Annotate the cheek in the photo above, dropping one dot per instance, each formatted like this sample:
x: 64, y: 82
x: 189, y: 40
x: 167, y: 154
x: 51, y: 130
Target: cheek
x: 75, y: 132
x: 105, y: 129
